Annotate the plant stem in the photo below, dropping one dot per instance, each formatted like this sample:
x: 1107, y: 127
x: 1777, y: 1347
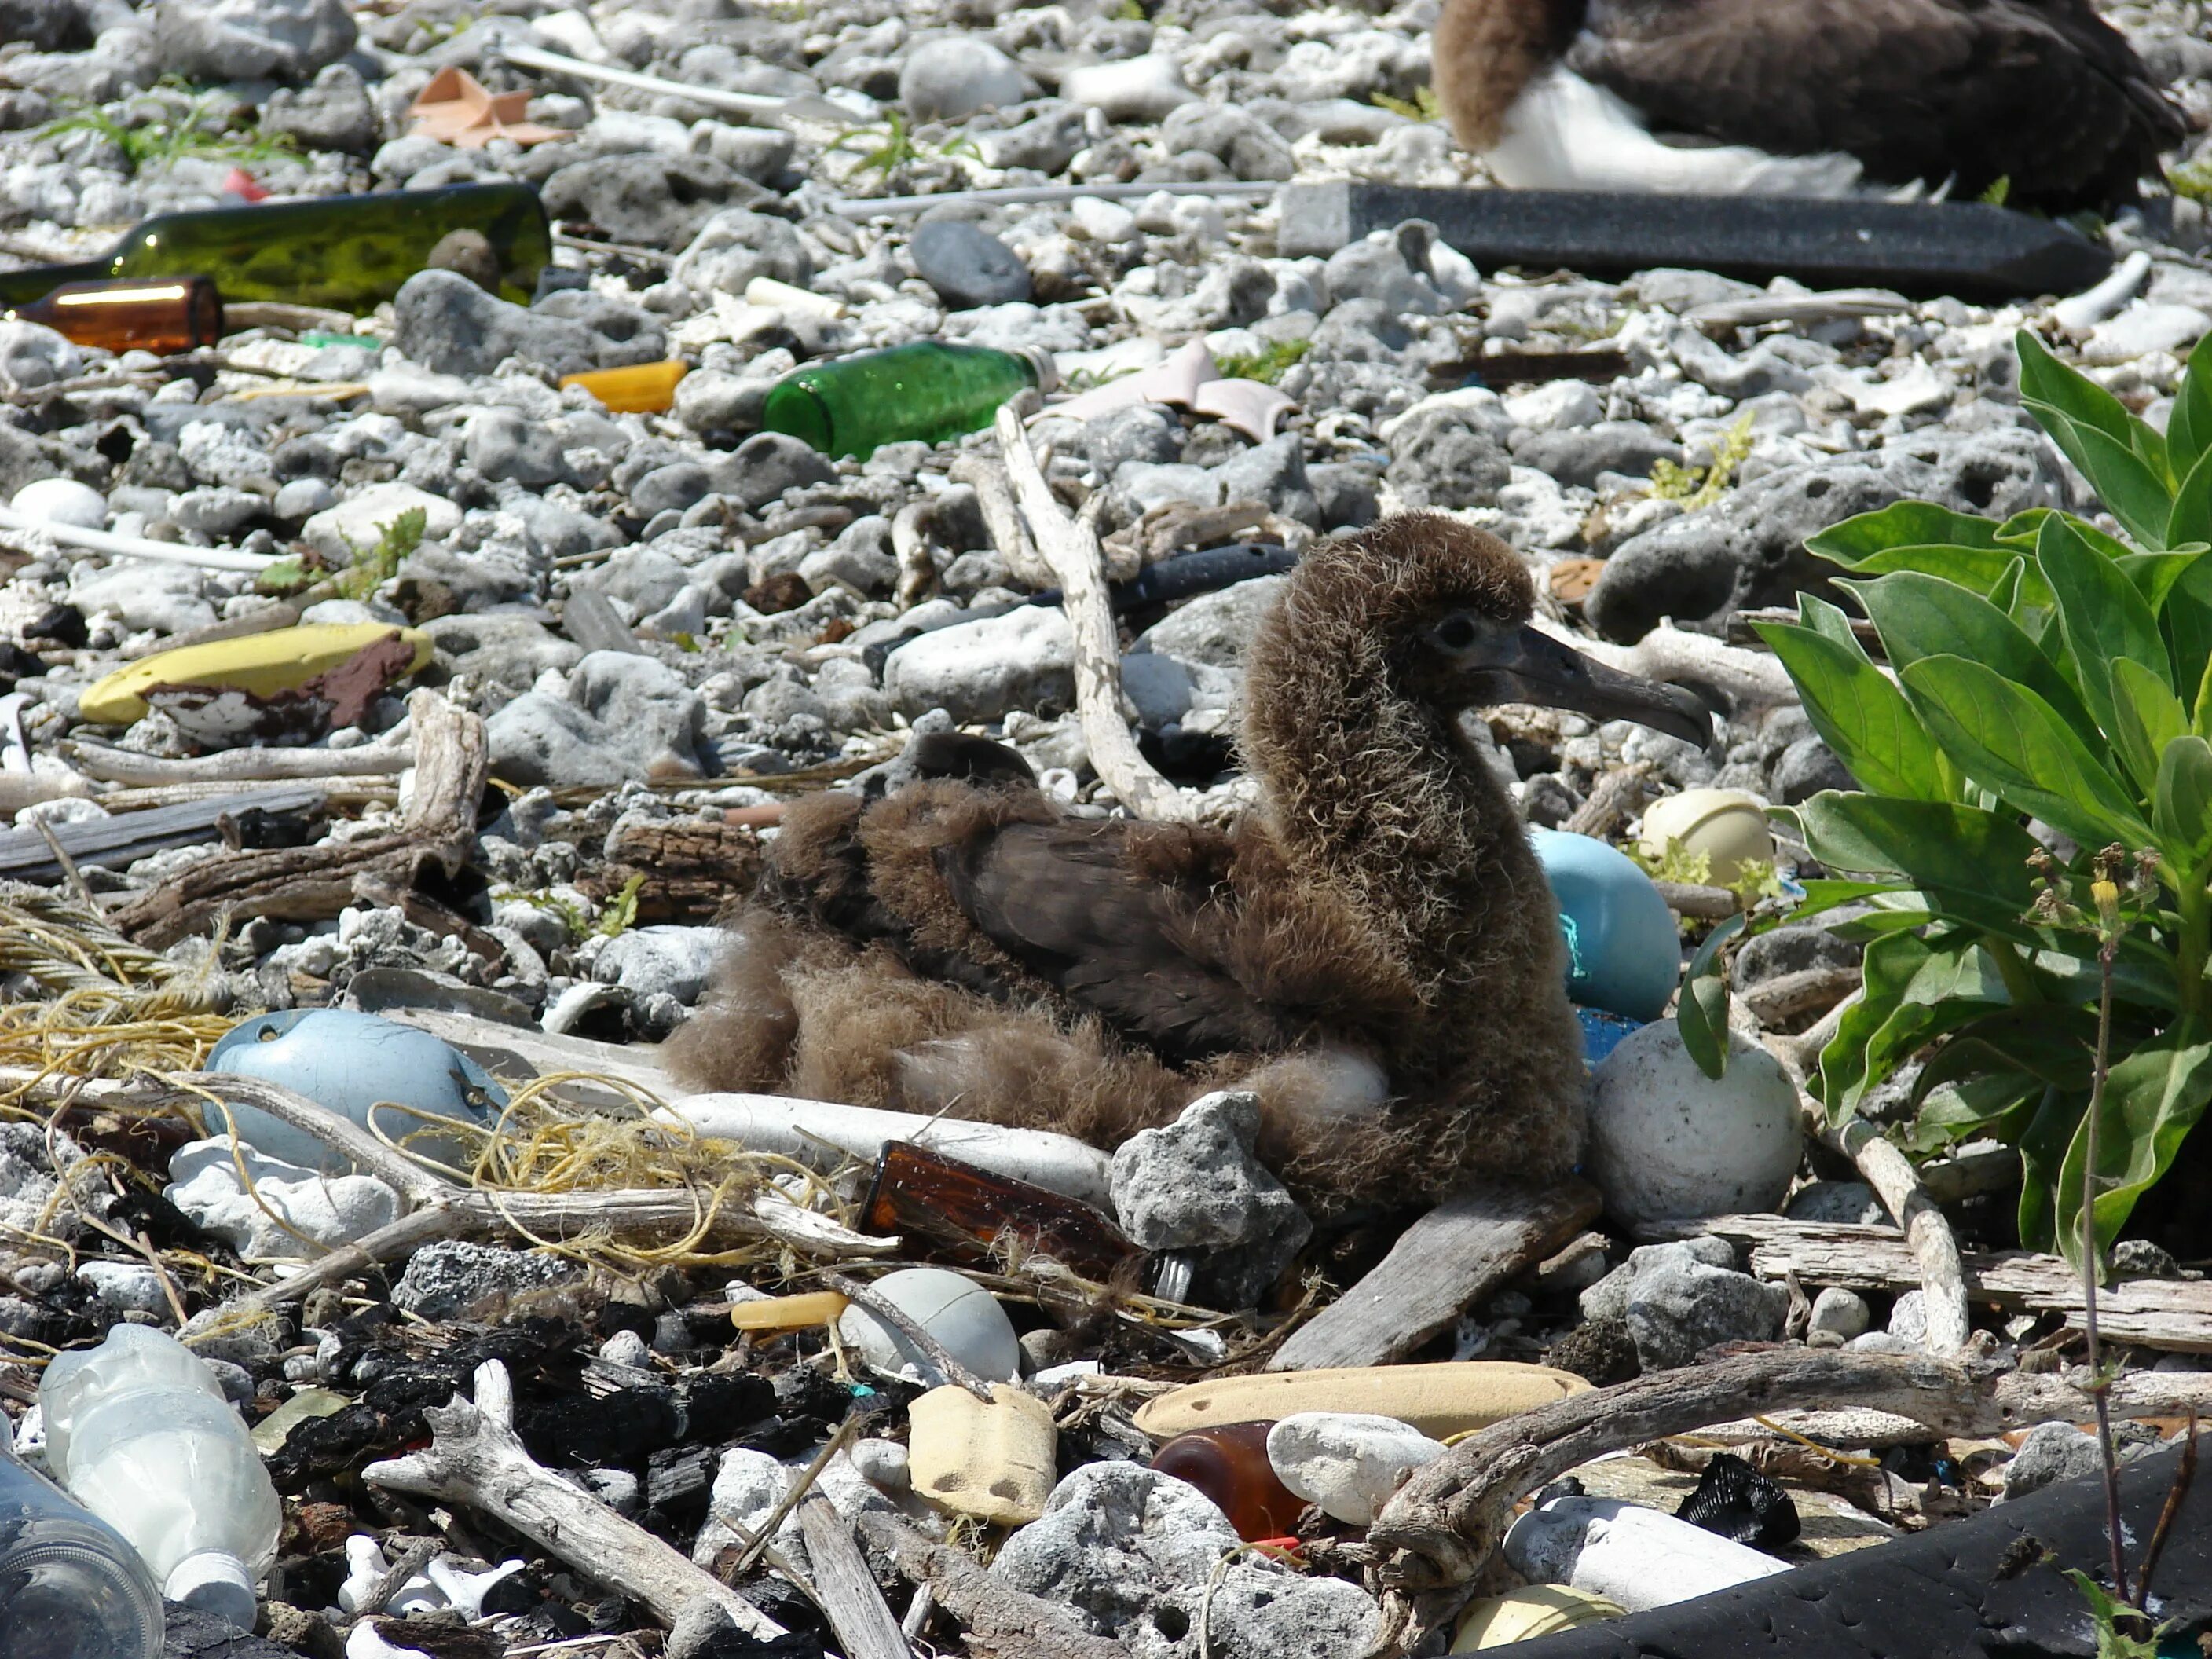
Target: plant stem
x: 2098, y: 1385
x: 2196, y: 906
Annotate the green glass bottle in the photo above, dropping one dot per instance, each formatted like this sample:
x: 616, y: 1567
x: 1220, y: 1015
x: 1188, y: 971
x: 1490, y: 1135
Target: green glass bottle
x: 350, y: 252
x: 928, y: 391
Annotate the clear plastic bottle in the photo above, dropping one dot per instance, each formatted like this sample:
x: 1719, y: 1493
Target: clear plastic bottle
x: 138, y: 1430
x: 71, y: 1587
x: 927, y: 389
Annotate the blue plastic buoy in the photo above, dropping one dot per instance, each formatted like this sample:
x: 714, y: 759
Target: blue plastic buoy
x: 1602, y: 1032
x: 355, y: 1064
x: 1624, y: 954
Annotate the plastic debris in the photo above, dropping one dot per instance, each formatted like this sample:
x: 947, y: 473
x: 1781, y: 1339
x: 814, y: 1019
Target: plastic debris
x: 991, y: 1462
x: 1736, y: 1502
x: 642, y: 388
x: 1439, y: 1399
x: 456, y: 109
x: 1669, y: 1143
x: 1500, y: 1622
x: 140, y: 1432
x: 1633, y: 1557
x: 1624, y: 954
x: 965, y: 1320
x: 403, y: 1083
x: 1726, y: 826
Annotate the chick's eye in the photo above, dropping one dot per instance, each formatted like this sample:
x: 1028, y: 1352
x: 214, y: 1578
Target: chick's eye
x: 1456, y: 633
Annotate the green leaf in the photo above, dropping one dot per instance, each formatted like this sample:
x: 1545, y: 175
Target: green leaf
x: 2147, y: 716
x: 2190, y: 520
x: 2067, y: 397
x: 1917, y: 988
x: 2152, y: 1099
x: 1902, y: 524
x: 1701, y: 1010
x: 2025, y: 529
x: 1980, y: 570
x: 1937, y: 845
x: 2181, y: 806
x: 1859, y: 713
x: 2155, y: 574
x: 2141, y: 501
x: 2105, y: 619
x: 2005, y: 736
x: 2189, y: 432
x: 2043, y: 1145
x: 1920, y: 617
x: 2187, y: 618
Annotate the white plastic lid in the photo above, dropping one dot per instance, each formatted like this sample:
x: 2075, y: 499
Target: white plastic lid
x: 216, y: 1581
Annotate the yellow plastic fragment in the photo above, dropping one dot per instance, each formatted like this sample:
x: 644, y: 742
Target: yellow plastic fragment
x: 640, y: 389
x: 789, y: 1313
x: 1439, y: 1399
x: 996, y: 1462
x: 258, y: 663
x: 1498, y: 1621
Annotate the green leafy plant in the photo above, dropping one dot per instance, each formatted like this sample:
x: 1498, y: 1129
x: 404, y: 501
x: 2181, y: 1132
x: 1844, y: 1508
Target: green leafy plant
x: 1755, y: 880
x: 619, y: 915
x: 1998, y: 192
x: 1701, y: 486
x: 395, y: 540
x: 1266, y: 365
x: 2046, y: 674
x: 898, y: 149
x: 151, y: 133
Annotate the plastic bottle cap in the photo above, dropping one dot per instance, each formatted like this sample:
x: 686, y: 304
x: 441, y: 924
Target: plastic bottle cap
x: 216, y: 1581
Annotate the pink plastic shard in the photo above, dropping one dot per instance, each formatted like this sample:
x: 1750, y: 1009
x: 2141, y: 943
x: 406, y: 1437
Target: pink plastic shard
x: 456, y: 108
x: 1175, y: 380
x: 1252, y: 407
x: 1188, y: 380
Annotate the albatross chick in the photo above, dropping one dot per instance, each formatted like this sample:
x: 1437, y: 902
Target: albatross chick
x: 1374, y: 950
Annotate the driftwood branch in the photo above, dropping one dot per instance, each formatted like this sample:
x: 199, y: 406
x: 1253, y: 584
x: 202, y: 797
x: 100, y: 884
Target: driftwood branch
x: 1453, y: 1256
x: 313, y: 884
x: 475, y: 1458
x: 2172, y: 1315
x: 113, y: 765
x: 1072, y: 550
x: 994, y: 498
x: 1441, y: 1528
x: 1001, y: 1622
x: 844, y: 1589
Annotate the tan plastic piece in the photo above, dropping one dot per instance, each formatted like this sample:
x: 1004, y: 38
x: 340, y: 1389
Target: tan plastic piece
x: 1498, y: 1621
x: 996, y: 1462
x: 1440, y: 1400
x: 789, y: 1313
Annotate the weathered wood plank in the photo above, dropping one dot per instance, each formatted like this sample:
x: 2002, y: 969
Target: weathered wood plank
x: 1464, y: 1248
x: 2174, y: 1314
x: 123, y: 839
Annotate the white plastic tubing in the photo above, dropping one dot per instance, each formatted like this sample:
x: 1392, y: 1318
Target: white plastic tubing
x: 134, y: 547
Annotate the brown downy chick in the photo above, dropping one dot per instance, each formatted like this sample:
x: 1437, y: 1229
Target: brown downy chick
x: 1375, y: 950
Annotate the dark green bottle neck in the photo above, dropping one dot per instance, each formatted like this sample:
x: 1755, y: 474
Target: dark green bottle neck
x: 21, y: 288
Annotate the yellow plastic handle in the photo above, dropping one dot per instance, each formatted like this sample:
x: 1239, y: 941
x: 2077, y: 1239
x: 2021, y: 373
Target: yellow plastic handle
x: 640, y: 389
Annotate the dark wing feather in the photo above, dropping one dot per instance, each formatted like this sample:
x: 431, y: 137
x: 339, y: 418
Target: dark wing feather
x: 1117, y: 929
x: 2043, y: 93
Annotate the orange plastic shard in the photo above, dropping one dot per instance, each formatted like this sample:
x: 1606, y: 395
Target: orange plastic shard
x: 457, y: 108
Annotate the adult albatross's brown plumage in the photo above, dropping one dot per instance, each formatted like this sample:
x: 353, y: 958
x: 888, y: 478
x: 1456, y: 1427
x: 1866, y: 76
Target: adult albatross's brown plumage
x: 1374, y: 950
x: 1806, y: 97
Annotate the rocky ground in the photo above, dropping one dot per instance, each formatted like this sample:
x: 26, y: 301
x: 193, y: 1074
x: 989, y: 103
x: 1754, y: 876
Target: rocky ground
x: 671, y: 621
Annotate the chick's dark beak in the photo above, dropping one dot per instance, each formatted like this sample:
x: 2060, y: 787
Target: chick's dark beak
x: 1534, y: 667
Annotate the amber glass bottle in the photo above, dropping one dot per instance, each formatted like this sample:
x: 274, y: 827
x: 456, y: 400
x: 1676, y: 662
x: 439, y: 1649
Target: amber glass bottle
x: 125, y: 315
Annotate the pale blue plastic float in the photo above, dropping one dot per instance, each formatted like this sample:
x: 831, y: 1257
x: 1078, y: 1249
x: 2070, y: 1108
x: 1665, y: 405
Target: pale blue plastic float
x: 1624, y: 953
x: 363, y: 1067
